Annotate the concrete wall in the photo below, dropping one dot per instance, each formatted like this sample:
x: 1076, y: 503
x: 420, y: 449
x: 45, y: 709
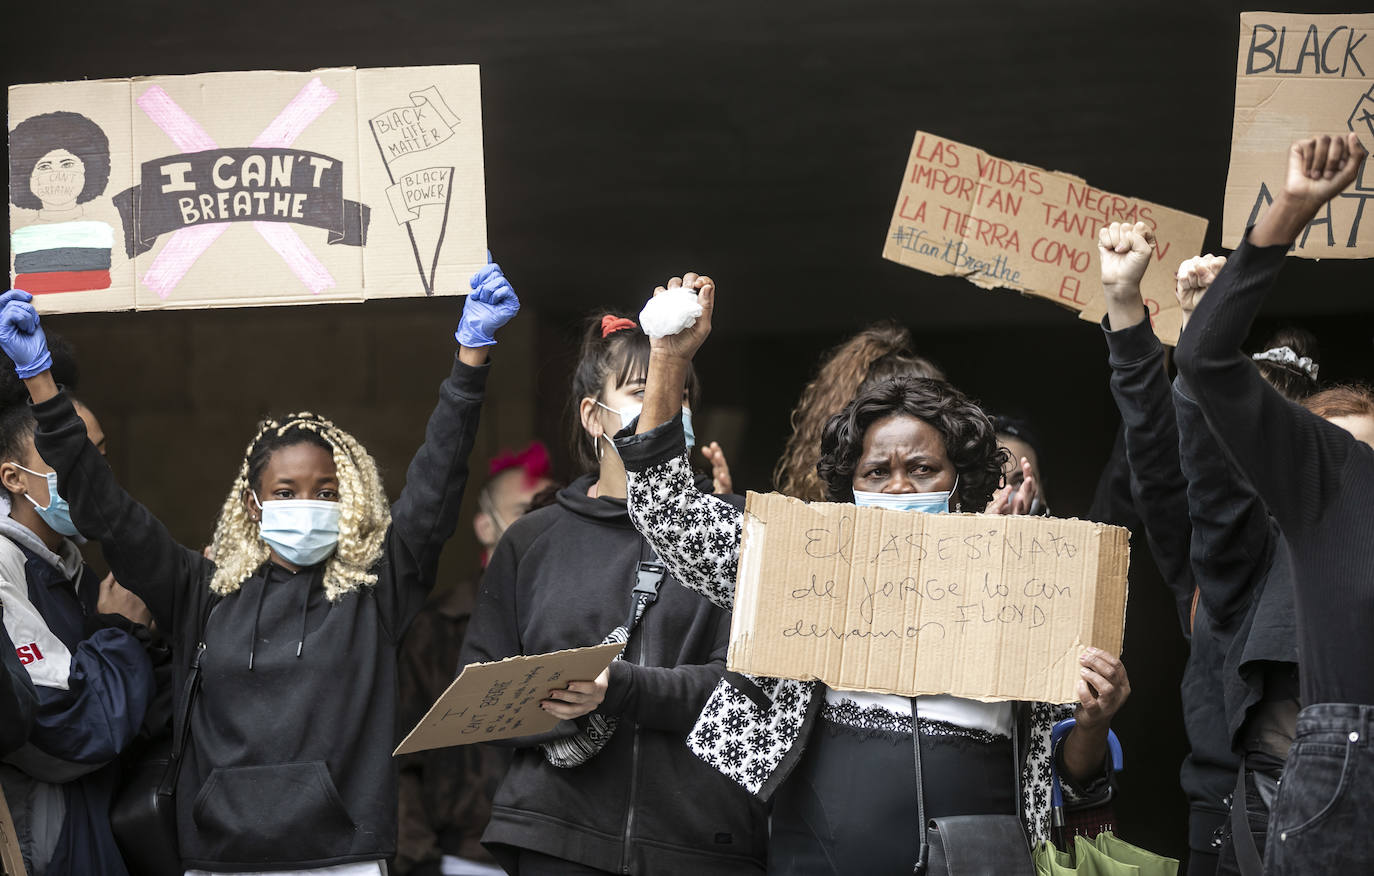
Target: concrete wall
x: 179, y: 394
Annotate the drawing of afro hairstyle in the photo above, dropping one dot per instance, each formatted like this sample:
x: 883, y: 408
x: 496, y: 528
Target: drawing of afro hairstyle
x: 38, y: 135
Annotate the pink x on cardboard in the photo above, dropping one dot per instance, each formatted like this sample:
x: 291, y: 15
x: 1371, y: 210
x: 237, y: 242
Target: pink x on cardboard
x: 188, y: 244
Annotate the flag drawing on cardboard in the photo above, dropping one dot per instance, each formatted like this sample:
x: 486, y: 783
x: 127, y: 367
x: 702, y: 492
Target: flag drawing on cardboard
x: 232, y: 189
x: 1298, y: 76
x: 1000, y: 223
x: 979, y: 606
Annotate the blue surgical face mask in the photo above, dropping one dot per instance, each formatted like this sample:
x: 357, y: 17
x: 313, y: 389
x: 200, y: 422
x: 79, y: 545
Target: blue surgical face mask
x: 687, y: 427
x: 630, y: 411
x: 57, y: 515
x: 926, y: 503
x: 302, y: 531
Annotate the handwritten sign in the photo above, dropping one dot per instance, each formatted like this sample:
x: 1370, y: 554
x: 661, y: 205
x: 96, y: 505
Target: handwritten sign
x: 500, y: 700
x: 1296, y: 76
x: 999, y: 223
x: 11, y: 859
x: 234, y: 189
x: 979, y: 606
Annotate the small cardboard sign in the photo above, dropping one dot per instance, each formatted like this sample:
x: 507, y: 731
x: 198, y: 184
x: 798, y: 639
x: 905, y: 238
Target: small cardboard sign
x: 499, y: 700
x: 235, y: 189
x: 1298, y: 76
x: 11, y: 859
x: 999, y: 223
x: 979, y: 606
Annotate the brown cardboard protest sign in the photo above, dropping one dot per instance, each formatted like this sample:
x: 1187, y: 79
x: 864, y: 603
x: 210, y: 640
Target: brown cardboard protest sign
x: 999, y: 223
x: 1297, y: 76
x: 500, y: 700
x: 11, y: 859
x: 979, y: 606
x: 234, y: 189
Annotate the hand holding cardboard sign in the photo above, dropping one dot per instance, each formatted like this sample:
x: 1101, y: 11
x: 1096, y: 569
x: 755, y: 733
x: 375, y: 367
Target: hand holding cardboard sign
x: 21, y: 334
x: 1102, y: 690
x: 1192, y: 279
x: 579, y: 698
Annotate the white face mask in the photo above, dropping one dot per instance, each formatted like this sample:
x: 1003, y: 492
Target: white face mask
x: 631, y: 411
x: 302, y: 531
x: 926, y: 503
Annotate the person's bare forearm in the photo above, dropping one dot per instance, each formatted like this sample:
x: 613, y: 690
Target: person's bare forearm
x: 472, y: 356
x: 1125, y: 307
x: 41, y: 387
x: 1085, y: 752
x: 1284, y: 221
x: 663, y: 387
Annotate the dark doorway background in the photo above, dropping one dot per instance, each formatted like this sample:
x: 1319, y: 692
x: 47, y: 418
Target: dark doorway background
x: 762, y: 143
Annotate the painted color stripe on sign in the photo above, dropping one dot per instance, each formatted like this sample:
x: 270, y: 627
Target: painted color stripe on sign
x: 66, y: 258
x: 62, y: 234
x: 62, y: 281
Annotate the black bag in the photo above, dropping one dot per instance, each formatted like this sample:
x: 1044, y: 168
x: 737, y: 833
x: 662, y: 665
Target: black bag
x: 971, y: 845
x: 144, y: 815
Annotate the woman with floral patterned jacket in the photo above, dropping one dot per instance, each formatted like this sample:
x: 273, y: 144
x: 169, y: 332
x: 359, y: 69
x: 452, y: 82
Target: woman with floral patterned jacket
x: 839, y: 765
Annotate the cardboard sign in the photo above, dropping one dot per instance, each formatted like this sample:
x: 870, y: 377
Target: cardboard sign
x: 998, y: 223
x: 979, y: 606
x: 11, y: 859
x: 1297, y: 76
x: 500, y: 700
x: 234, y: 189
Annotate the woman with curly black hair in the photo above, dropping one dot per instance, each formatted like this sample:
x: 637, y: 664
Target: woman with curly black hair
x: 838, y: 765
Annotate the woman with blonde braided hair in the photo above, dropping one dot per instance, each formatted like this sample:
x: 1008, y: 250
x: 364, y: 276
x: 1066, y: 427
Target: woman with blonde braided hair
x: 363, y: 513
x: 285, y: 645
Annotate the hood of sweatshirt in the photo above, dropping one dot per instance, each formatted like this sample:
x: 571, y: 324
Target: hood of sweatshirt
x: 574, y: 498
x: 67, y: 560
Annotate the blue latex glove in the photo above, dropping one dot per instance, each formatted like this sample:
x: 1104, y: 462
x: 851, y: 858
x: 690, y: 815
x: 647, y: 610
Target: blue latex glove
x: 491, y: 305
x: 21, y: 336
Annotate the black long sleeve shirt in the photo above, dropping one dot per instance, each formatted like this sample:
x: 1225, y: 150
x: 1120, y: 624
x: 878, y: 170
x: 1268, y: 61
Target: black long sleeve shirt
x: 1315, y: 478
x: 1159, y: 493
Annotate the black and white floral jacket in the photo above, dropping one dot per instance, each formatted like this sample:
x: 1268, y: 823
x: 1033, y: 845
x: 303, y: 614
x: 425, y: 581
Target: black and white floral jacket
x: 754, y: 729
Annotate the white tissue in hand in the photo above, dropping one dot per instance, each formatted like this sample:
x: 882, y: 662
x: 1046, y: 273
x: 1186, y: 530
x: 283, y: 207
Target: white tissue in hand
x: 669, y: 313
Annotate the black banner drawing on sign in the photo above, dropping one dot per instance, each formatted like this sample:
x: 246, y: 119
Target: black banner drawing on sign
x: 243, y: 184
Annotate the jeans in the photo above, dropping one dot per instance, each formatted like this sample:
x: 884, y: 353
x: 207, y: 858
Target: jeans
x: 1323, y: 819
x: 1260, y: 789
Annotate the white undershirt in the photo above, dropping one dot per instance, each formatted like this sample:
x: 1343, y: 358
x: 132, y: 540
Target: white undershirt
x: 990, y: 717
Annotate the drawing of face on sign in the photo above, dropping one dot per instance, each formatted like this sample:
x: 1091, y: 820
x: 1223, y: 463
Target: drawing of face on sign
x: 1361, y: 121
x: 58, y: 162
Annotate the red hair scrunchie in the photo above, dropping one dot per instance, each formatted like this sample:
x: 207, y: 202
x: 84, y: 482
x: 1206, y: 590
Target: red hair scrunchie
x: 611, y: 324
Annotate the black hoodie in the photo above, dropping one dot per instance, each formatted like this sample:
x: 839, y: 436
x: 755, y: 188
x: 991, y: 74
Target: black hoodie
x: 289, y: 765
x: 561, y: 578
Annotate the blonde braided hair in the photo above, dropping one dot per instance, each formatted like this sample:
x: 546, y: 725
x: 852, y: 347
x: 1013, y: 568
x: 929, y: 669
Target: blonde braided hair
x: 363, y: 518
